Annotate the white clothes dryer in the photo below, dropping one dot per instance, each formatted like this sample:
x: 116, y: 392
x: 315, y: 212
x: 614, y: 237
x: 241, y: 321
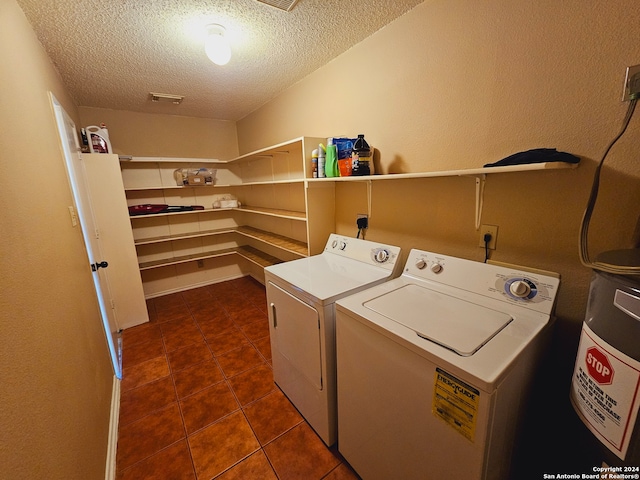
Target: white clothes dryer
x: 433, y: 367
x: 301, y: 295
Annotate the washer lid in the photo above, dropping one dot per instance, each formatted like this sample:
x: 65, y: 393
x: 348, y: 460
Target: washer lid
x: 454, y: 323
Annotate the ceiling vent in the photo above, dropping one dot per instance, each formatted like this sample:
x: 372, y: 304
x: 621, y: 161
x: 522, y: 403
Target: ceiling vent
x: 285, y: 5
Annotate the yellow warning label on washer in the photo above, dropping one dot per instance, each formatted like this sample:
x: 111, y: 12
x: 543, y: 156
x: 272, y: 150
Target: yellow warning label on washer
x: 456, y: 402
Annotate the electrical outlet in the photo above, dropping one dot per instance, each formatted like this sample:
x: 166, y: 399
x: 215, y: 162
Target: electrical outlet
x: 491, y: 230
x: 362, y: 220
x: 631, y: 83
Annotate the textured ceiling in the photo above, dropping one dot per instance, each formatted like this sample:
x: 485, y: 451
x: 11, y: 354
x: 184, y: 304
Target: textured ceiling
x: 112, y: 53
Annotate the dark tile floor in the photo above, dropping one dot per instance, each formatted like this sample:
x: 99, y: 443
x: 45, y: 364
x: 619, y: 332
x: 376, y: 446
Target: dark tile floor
x: 198, y: 399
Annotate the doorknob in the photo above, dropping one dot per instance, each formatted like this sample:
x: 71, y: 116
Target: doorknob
x: 97, y: 265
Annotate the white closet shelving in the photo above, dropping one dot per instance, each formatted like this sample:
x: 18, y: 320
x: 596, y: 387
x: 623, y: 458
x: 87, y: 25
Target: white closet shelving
x: 181, y: 250
x: 283, y: 214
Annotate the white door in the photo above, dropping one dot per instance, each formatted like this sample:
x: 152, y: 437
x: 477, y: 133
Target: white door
x: 97, y: 263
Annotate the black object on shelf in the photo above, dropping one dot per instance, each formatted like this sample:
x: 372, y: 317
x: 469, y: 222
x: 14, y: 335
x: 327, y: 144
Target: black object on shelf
x: 151, y: 208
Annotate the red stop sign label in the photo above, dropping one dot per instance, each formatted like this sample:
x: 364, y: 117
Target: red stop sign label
x: 599, y: 367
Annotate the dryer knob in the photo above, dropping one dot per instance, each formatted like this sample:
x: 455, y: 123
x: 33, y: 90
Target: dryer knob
x: 520, y: 289
x: 342, y: 245
x: 436, y: 268
x: 334, y: 244
x: 381, y: 256
x: 420, y: 263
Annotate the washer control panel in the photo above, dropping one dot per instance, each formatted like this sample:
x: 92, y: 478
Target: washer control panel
x: 536, y: 291
x: 526, y: 288
x: 363, y: 250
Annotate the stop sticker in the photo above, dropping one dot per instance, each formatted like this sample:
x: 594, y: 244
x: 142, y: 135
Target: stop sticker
x: 605, y: 391
x: 599, y: 367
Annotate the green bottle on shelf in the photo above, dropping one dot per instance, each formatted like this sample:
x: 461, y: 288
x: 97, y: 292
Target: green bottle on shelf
x: 331, y: 161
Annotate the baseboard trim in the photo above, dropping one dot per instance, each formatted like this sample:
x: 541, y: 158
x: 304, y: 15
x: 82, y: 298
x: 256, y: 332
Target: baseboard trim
x: 112, y: 447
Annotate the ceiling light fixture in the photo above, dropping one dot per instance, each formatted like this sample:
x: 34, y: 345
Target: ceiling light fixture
x: 216, y: 46
x: 166, y: 97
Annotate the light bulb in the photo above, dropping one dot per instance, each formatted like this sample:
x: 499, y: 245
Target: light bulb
x: 216, y: 46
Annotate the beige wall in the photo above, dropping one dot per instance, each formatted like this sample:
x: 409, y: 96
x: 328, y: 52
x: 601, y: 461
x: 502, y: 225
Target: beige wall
x: 54, y: 364
x: 459, y: 83
x: 142, y: 134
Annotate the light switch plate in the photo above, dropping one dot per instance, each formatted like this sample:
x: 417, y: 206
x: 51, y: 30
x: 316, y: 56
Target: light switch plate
x: 74, y: 217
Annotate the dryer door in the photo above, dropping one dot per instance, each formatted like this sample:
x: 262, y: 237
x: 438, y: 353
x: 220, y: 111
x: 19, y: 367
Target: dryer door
x: 295, y: 330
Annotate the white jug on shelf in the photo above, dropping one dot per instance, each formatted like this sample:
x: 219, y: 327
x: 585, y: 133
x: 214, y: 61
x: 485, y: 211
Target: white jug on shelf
x: 98, y: 140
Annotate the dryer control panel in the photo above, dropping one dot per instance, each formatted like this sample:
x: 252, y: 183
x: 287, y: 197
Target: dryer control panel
x: 534, y: 289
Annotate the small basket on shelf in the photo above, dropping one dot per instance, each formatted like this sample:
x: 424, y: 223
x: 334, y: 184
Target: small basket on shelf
x: 190, y: 177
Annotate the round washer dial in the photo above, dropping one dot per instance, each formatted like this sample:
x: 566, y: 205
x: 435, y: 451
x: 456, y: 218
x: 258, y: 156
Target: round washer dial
x: 380, y: 255
x: 521, y: 288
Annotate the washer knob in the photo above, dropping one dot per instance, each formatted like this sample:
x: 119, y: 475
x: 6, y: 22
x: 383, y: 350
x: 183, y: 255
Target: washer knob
x: 340, y: 244
x: 520, y: 288
x: 436, y: 268
x: 381, y: 256
x: 420, y: 263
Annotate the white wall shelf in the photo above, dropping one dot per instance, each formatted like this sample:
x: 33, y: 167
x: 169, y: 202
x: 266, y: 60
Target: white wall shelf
x: 248, y: 252
x: 178, y: 236
x: 278, y: 241
x: 284, y: 148
x: 166, y: 187
x: 480, y: 175
x: 471, y: 172
x: 273, y: 212
x: 188, y: 212
x: 135, y: 159
x: 215, y: 185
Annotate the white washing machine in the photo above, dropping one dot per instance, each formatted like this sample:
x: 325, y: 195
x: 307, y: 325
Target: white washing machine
x: 433, y: 367
x: 301, y: 295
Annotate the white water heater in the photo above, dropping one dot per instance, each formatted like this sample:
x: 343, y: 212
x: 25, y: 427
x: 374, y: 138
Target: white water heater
x: 605, y: 388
